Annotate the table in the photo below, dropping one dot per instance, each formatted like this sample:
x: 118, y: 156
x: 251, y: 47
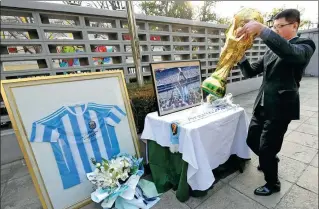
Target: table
x: 203, y: 144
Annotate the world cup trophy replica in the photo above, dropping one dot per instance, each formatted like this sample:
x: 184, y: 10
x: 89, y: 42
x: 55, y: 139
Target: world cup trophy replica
x: 232, y: 52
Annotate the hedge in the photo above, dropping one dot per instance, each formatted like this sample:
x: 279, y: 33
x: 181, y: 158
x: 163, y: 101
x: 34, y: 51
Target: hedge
x: 143, y: 101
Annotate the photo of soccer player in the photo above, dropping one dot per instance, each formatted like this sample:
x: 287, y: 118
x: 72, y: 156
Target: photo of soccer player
x: 177, y: 85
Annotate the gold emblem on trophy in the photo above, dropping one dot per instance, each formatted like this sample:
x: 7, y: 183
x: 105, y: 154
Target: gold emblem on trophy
x: 232, y: 52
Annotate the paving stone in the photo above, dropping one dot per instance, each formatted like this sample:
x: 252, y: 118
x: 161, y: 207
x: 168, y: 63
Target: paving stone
x: 249, y: 115
x: 18, y: 171
x: 290, y: 169
x: 92, y: 205
x: 287, y: 133
x: 309, y: 108
x: 2, y: 188
x: 304, y: 99
x: 168, y: 200
x: 298, y: 152
x: 309, y: 179
x: 303, y: 118
x: 193, y: 202
x: 251, y: 179
x: 229, y: 198
x: 308, y: 129
x: 311, y: 102
x: 306, y: 112
x: 232, y: 176
x: 314, y: 162
x: 312, y: 121
x: 303, y: 139
x: 248, y: 109
x: 299, y: 198
x: 20, y: 193
x: 294, y: 125
x: 315, y: 115
x: 253, y: 157
x: 5, y: 174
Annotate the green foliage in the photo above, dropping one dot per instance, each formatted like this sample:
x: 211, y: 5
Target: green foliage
x: 224, y: 21
x: 206, y: 14
x: 143, y: 101
x: 176, y: 9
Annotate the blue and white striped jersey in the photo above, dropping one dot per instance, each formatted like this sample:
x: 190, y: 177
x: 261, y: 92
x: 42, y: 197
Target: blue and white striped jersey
x: 77, y: 134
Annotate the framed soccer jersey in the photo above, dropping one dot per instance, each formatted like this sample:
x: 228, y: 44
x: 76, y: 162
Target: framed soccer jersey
x: 62, y: 122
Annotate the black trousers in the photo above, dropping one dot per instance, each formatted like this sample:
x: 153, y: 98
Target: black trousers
x: 265, y: 138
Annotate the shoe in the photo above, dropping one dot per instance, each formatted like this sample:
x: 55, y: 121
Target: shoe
x: 259, y: 168
x: 267, y: 190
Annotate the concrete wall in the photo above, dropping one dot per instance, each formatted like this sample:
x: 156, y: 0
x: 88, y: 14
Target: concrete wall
x: 180, y: 40
x: 312, y: 68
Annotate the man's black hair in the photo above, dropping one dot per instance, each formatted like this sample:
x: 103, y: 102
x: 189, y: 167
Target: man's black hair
x: 291, y: 15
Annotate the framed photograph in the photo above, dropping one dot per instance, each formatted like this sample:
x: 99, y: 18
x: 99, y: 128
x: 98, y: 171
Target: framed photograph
x: 62, y: 122
x: 177, y: 85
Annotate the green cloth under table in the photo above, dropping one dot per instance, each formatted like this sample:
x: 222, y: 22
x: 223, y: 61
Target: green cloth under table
x: 169, y: 171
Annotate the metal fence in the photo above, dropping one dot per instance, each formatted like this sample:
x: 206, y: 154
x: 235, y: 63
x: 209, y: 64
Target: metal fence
x: 42, y: 39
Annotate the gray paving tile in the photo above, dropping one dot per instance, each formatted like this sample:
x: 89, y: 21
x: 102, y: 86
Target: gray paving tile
x: 232, y: 176
x: 247, y: 102
x: 193, y: 202
x: 254, y: 157
x: 309, y: 179
x: 306, y: 112
x: 288, y: 132
x: 229, y: 198
x: 315, y: 115
x: 298, y: 152
x: 309, y: 129
x: 303, y: 139
x: 311, y: 102
x: 303, y: 118
x: 18, y: 171
x: 294, y: 125
x: 20, y: 193
x: 304, y: 99
x: 290, y: 169
x: 5, y: 174
x: 248, y: 109
x: 309, y: 108
x: 251, y: 179
x: 314, y: 162
x: 6, y: 166
x: 299, y: 198
x: 168, y: 200
x: 249, y: 115
x: 92, y: 205
x: 2, y: 188
x: 312, y: 121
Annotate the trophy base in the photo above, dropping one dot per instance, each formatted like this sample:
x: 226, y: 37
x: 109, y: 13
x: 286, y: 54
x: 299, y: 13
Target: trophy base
x: 215, y: 86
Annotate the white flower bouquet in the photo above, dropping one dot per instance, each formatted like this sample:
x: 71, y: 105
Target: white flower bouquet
x: 117, y: 177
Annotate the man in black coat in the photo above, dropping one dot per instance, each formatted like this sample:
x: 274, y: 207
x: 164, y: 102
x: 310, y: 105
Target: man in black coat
x: 278, y: 99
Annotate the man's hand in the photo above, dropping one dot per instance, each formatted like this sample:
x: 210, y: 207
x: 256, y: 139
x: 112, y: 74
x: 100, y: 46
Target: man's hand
x: 250, y: 28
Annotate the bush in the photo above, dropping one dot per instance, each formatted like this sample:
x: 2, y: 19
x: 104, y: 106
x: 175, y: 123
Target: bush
x: 143, y: 101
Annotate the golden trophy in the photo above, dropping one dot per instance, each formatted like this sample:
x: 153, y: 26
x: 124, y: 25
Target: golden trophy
x: 232, y: 52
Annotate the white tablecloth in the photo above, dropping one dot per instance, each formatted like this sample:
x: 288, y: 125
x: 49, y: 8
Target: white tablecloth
x: 205, y: 144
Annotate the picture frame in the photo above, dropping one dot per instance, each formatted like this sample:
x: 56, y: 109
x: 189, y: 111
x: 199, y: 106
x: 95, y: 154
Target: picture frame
x: 62, y: 122
x: 181, y: 89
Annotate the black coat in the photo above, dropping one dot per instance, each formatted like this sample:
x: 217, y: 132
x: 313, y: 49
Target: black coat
x: 282, y: 67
